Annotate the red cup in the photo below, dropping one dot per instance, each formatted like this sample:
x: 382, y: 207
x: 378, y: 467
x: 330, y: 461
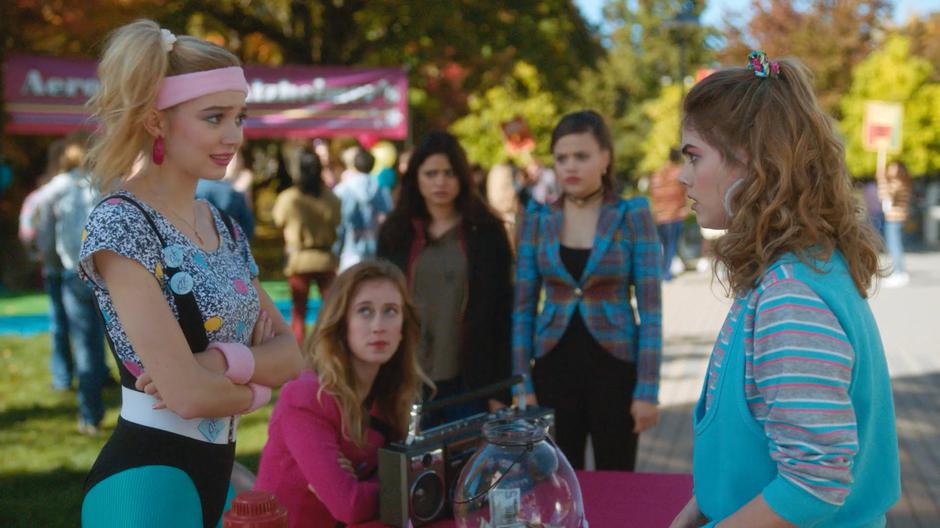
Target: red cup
x: 255, y: 509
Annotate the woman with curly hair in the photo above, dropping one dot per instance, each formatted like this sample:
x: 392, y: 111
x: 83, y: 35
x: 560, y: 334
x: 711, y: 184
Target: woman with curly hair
x: 795, y: 423
x: 323, y: 437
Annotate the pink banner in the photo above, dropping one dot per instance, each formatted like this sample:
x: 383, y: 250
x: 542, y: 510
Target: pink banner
x: 46, y: 95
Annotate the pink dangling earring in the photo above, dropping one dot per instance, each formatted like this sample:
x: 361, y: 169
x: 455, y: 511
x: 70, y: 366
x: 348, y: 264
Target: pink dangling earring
x: 158, y: 152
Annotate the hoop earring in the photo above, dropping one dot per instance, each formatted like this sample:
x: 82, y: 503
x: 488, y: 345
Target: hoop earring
x: 726, y: 202
x: 158, y: 152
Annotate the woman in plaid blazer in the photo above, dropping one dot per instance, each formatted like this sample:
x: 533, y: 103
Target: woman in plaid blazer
x: 589, y: 356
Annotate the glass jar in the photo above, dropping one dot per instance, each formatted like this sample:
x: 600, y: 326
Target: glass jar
x: 518, y: 479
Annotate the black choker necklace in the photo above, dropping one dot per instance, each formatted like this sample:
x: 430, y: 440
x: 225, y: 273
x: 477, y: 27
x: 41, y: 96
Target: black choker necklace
x: 584, y: 200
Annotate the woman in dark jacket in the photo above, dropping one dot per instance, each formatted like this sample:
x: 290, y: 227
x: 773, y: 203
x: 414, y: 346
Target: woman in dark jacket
x: 456, y: 256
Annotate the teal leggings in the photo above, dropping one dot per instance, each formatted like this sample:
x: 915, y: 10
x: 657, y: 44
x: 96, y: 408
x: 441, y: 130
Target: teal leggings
x: 146, y: 497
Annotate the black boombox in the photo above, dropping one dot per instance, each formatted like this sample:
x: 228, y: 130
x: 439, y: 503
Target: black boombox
x: 417, y: 477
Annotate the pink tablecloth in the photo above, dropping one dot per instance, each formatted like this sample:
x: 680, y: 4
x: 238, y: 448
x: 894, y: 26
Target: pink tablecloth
x: 614, y: 499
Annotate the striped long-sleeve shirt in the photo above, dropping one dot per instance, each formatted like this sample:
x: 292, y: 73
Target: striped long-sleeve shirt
x: 798, y: 368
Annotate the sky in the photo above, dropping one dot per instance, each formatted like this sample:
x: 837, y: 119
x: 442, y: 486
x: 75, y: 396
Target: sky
x: 715, y: 9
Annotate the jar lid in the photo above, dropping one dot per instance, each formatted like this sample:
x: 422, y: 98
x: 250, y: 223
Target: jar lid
x: 514, y: 432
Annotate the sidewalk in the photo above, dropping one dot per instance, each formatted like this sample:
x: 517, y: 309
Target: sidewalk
x: 909, y: 320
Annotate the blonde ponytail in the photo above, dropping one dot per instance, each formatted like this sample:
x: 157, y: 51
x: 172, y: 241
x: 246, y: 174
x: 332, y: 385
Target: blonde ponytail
x: 131, y: 71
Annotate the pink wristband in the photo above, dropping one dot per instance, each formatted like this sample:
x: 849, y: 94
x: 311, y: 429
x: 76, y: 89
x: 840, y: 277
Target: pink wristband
x: 260, y: 396
x: 241, y: 362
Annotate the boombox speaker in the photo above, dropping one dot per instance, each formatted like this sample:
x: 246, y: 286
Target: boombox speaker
x: 412, y: 486
x: 417, y: 477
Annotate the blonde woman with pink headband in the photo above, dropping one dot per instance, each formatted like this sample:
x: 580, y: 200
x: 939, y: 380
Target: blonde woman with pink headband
x: 197, y: 340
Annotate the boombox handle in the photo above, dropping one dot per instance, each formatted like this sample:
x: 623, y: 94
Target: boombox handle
x: 414, y: 429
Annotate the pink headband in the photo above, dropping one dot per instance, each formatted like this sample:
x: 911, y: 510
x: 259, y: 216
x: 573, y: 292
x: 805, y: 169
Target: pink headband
x: 176, y: 89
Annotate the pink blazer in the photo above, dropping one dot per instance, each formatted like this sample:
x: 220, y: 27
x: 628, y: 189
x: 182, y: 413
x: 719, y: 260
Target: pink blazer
x: 304, y: 439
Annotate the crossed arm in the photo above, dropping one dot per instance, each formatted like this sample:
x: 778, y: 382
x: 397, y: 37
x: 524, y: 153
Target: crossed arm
x: 191, y: 385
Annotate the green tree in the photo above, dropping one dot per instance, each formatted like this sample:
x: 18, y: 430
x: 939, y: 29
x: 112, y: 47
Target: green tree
x: 520, y: 95
x: 643, y: 58
x: 450, y: 48
x: 830, y: 37
x: 892, y: 73
x: 924, y: 33
x: 663, y: 115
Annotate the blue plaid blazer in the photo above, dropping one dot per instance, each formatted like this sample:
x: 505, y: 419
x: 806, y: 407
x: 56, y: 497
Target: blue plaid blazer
x: 624, y: 261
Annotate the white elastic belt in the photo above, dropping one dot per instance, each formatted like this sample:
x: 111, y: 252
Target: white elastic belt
x: 137, y: 407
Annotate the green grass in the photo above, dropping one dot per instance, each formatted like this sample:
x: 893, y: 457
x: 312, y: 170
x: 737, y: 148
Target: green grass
x: 36, y: 302
x: 43, y: 459
x: 280, y: 290
x: 23, y: 303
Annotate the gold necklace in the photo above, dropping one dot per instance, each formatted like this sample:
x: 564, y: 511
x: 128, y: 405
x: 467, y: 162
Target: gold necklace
x: 186, y: 222
x: 192, y: 226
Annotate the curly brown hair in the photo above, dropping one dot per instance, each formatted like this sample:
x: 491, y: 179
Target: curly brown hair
x: 797, y: 197
x: 398, y: 383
